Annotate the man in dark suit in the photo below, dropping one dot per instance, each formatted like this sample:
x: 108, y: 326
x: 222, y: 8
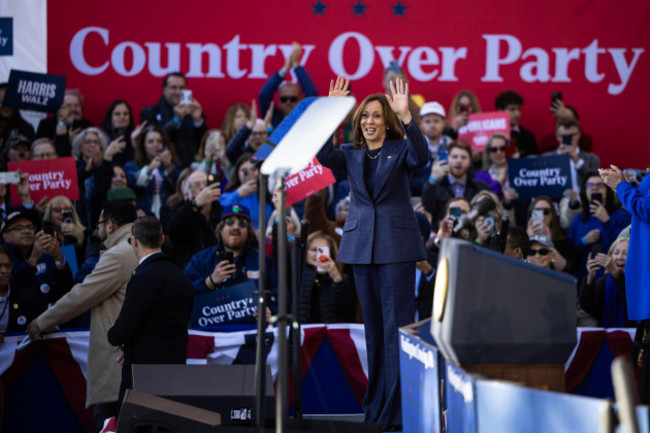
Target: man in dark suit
x: 152, y: 326
x: 183, y: 122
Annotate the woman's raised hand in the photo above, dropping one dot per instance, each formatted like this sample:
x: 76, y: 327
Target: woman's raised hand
x: 399, y: 101
x: 340, y: 87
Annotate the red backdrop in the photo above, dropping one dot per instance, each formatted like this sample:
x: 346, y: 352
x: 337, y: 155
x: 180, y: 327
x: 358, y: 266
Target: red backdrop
x: 586, y: 49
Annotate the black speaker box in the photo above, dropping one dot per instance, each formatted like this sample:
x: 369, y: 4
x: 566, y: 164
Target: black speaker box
x: 492, y: 309
x: 142, y: 412
x: 226, y: 389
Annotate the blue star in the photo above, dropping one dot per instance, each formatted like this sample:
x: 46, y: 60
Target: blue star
x: 319, y: 8
x: 399, y: 9
x: 359, y: 9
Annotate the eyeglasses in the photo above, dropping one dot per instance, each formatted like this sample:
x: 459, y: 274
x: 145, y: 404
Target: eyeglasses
x: 100, y: 222
x: 29, y: 227
x: 259, y: 133
x: 47, y: 155
x: 598, y: 185
x: 541, y: 252
x: 232, y: 221
x: 546, y: 210
x: 285, y: 99
x: 497, y: 149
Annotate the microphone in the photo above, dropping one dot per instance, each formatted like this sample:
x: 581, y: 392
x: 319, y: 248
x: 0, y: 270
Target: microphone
x: 481, y: 208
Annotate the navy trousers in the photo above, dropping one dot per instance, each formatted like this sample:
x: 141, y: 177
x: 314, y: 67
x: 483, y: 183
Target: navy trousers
x: 387, y: 297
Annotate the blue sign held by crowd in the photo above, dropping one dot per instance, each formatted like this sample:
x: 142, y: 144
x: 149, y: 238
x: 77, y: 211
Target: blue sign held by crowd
x: 544, y: 175
x: 33, y: 91
x: 6, y: 36
x: 231, y: 305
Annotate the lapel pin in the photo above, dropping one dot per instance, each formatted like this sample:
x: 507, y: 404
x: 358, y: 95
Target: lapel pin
x: 389, y: 156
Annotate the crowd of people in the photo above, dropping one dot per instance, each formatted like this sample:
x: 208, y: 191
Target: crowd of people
x: 201, y: 183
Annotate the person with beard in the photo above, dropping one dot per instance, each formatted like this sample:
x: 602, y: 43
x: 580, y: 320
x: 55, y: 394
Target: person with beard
x: 208, y: 270
x: 102, y: 291
x: 449, y: 179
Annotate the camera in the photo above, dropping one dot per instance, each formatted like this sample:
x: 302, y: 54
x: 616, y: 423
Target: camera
x: 67, y: 216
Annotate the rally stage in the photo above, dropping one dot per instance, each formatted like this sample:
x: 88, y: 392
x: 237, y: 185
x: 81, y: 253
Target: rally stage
x: 45, y: 390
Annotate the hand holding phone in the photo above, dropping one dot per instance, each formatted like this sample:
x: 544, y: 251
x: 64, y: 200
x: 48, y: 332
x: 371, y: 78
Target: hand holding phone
x: 186, y: 97
x: 322, y: 256
x: 9, y: 177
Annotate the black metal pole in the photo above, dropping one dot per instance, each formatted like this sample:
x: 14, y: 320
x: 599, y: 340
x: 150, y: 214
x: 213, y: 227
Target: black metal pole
x: 260, y: 360
x: 282, y: 379
x: 296, y: 272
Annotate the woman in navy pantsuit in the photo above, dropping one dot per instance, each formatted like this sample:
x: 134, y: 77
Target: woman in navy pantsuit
x: 381, y: 238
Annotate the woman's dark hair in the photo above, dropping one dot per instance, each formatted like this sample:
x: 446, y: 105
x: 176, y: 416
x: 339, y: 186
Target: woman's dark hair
x: 611, y: 204
x: 107, y: 123
x: 234, y: 179
x: 140, y: 155
x: 394, y: 130
x: 555, y: 229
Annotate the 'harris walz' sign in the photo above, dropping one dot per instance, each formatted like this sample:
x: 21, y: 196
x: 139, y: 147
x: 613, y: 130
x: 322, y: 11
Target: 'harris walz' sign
x: 33, y: 91
x: 545, y: 175
x: 231, y: 305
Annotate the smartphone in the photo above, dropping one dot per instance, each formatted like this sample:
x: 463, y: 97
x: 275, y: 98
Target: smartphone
x: 186, y: 97
x: 596, y: 249
x: 118, y: 131
x: 321, y: 252
x: 556, y: 96
x: 48, y: 227
x: 511, y: 149
x: 67, y: 216
x: 489, y: 219
x: 211, y: 179
x: 567, y: 139
x: 9, y: 177
x: 537, y: 215
x: 227, y: 256
x: 597, y: 196
x: 443, y: 155
x: 455, y: 211
x: 463, y: 108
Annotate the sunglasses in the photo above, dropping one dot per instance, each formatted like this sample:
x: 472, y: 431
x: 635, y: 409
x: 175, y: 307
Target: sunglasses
x: 285, y: 99
x: 232, y: 221
x: 541, y: 252
x: 545, y: 210
x: 497, y: 149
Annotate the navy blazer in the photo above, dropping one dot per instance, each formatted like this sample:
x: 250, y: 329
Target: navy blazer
x: 381, y: 226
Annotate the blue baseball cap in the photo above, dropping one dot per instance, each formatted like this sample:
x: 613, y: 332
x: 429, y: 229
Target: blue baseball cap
x: 236, y: 210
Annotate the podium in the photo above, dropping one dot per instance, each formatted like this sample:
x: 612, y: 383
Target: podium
x: 501, y: 317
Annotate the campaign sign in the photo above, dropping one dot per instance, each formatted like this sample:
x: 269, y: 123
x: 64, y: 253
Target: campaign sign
x: 418, y: 364
x: 307, y: 181
x: 230, y: 305
x: 48, y: 178
x: 264, y: 151
x: 544, y: 175
x: 6, y: 36
x: 482, y: 126
x: 459, y: 403
x: 32, y: 91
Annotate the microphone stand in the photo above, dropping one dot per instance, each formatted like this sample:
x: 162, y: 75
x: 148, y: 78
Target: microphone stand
x: 260, y: 358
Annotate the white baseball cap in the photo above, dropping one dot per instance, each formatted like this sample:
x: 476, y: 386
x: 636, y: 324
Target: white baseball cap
x: 433, y: 108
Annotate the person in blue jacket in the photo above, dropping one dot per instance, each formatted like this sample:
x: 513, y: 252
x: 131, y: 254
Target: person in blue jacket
x: 600, y: 222
x: 381, y: 237
x: 208, y: 270
x: 289, y: 93
x: 637, y: 267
